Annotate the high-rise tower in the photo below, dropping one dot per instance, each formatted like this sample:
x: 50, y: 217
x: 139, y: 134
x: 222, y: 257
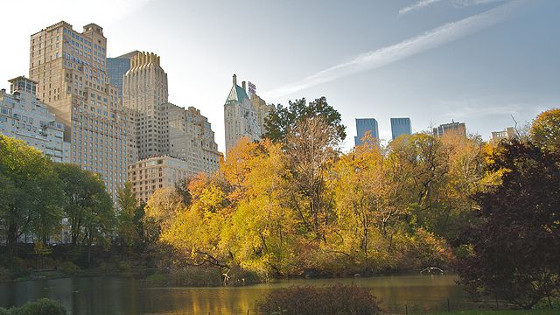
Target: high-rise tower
x: 451, y: 128
x: 71, y: 74
x: 364, y: 125
x: 400, y: 126
x: 145, y: 95
x: 240, y: 116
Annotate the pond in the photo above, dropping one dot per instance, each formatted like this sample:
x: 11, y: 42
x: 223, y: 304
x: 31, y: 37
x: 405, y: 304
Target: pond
x: 109, y: 295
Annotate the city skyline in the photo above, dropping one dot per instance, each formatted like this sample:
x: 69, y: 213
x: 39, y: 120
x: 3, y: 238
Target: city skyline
x: 474, y: 61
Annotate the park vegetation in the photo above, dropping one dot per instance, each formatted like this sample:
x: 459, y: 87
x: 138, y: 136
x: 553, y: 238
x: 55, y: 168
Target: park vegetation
x: 41, y: 306
x: 310, y: 300
x: 294, y: 205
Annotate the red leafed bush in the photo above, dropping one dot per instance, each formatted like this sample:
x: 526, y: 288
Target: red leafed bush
x: 338, y: 299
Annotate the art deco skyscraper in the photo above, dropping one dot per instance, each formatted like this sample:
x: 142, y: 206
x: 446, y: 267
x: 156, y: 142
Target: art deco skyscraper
x: 145, y: 94
x: 71, y: 74
x: 178, y: 142
x: 240, y: 116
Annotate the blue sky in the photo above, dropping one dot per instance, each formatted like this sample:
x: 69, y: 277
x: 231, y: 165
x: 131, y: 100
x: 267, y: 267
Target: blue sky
x: 474, y: 61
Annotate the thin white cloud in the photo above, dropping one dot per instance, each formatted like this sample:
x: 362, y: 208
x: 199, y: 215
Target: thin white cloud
x: 417, y: 6
x: 412, y: 46
x: 422, y: 4
x: 469, y: 3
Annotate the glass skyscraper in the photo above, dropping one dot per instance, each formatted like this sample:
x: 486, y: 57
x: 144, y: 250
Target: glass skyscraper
x: 364, y: 125
x: 117, y: 68
x: 400, y: 126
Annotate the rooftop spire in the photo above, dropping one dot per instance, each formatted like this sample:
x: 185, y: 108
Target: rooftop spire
x: 234, y: 80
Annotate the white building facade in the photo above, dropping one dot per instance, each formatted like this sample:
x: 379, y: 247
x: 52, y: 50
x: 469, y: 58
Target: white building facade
x: 23, y: 116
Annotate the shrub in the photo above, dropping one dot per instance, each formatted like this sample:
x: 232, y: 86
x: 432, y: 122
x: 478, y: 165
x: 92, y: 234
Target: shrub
x: 5, y: 275
x: 42, y: 306
x: 196, y: 276
x: 69, y: 268
x: 156, y: 279
x: 338, y: 299
x: 18, y: 268
x: 107, y: 267
x: 124, y: 266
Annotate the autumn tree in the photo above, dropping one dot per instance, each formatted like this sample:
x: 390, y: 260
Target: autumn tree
x: 418, y: 167
x: 163, y: 206
x: 514, y: 246
x: 363, y: 212
x: 262, y: 233
x: 376, y: 198
x: 196, y: 232
x: 465, y: 174
x: 312, y: 148
x: 545, y: 130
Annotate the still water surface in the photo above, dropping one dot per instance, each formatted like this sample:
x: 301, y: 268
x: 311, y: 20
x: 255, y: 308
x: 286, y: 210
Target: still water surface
x: 107, y: 295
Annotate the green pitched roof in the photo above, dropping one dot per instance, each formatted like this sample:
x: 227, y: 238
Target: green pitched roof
x: 237, y: 94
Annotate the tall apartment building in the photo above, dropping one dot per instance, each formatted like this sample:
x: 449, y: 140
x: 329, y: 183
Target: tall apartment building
x: 192, y: 150
x: 506, y: 134
x: 191, y: 139
x: 400, y: 126
x: 363, y: 125
x: 260, y: 107
x: 240, y: 116
x: 71, y: 73
x: 162, y: 128
x: 24, y: 117
x: 181, y: 138
x: 117, y: 68
x: 145, y: 94
x: 452, y: 127
x: 156, y: 172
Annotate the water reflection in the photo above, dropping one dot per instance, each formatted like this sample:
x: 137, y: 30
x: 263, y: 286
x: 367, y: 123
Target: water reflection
x: 106, y: 295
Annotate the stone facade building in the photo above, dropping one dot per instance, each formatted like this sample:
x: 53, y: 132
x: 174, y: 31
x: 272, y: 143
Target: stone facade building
x: 24, y: 117
x: 506, y: 134
x: 243, y: 117
x: 70, y: 69
x: 162, y: 131
x: 452, y: 127
x: 191, y: 139
x: 156, y: 172
x: 145, y: 95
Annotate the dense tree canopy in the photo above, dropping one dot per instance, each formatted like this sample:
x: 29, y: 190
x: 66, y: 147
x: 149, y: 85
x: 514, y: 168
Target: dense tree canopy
x: 545, y: 130
x: 87, y: 206
x: 282, y: 119
x: 514, y: 246
x: 129, y: 217
x: 30, y: 192
x: 300, y: 206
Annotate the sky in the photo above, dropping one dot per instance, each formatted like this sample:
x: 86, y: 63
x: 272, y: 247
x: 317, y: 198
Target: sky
x: 488, y: 63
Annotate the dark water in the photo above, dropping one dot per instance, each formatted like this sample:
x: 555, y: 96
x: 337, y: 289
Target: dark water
x: 106, y: 295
